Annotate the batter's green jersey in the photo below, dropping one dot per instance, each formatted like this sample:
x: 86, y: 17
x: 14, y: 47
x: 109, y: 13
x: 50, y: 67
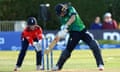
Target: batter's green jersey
x: 77, y: 25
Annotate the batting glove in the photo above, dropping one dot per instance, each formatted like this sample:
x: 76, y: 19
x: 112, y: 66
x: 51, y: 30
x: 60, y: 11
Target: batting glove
x: 62, y: 33
x: 64, y: 27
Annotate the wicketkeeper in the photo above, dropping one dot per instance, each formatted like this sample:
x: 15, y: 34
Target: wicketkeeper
x: 31, y: 36
x: 71, y: 20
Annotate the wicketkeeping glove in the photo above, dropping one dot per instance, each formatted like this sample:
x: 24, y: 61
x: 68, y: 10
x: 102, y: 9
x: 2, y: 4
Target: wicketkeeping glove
x: 37, y: 46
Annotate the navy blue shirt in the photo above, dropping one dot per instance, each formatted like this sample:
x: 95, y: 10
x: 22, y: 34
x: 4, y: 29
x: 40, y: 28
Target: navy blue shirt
x: 96, y: 26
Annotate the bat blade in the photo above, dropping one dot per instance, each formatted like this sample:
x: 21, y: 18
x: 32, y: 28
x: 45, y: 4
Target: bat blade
x: 51, y: 45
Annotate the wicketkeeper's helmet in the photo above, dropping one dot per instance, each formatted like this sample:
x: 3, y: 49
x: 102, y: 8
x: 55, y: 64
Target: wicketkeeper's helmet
x: 31, y: 21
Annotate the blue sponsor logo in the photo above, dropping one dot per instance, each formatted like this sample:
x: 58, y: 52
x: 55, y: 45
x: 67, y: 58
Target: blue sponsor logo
x: 11, y: 41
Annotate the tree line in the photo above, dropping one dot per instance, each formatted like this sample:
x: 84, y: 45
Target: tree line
x: 87, y: 9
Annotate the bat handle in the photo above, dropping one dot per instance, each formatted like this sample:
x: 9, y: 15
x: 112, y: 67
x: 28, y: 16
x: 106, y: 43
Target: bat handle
x: 47, y: 50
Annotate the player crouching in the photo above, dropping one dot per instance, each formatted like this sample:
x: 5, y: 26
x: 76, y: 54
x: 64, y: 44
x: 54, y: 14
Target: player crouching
x: 31, y: 36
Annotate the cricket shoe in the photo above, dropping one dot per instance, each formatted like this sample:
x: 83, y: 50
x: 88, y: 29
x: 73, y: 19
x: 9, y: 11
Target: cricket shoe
x: 17, y: 68
x: 55, y: 68
x: 39, y: 67
x: 101, y: 67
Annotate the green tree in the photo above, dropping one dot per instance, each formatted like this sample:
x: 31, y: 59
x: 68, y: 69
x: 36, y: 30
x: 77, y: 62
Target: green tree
x: 113, y: 6
x: 22, y: 9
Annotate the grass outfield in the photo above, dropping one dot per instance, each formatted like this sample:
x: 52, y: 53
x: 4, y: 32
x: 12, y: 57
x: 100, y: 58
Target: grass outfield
x: 80, y: 61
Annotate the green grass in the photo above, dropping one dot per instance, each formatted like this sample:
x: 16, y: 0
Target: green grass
x: 80, y: 61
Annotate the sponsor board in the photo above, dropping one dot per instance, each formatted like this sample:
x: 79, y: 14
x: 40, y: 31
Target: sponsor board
x: 11, y: 40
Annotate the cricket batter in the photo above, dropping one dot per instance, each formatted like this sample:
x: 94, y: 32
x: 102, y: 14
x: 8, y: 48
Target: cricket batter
x: 31, y: 36
x: 71, y: 20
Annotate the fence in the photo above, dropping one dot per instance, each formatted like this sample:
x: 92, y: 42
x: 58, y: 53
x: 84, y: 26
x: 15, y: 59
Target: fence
x: 12, y: 25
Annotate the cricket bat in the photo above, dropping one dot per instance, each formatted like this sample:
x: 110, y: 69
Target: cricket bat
x: 51, y: 46
x: 54, y: 42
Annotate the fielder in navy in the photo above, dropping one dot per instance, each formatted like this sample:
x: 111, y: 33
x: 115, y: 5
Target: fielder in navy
x: 31, y: 36
x: 71, y: 20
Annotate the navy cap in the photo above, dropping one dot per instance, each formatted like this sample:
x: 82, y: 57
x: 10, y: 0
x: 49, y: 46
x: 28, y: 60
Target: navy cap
x: 31, y: 21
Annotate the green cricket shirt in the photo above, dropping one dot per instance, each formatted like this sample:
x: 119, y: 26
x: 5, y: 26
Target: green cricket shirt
x: 77, y: 25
